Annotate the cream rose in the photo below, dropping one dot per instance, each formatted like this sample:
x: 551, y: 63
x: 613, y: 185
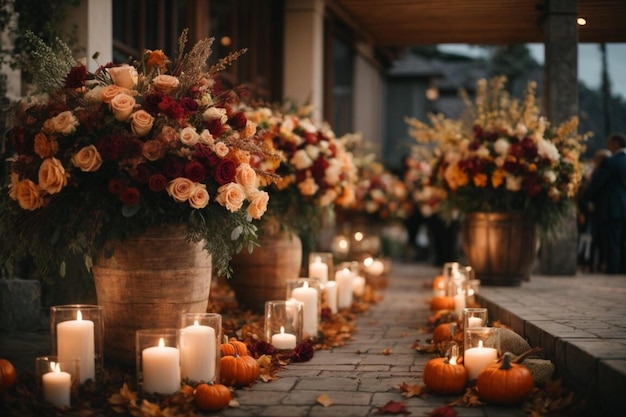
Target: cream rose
x: 153, y: 150
x: 122, y: 106
x: 231, y: 196
x: 301, y: 160
x: 88, y: 159
x: 64, y: 123
x: 165, y: 84
x: 189, y: 136
x: 258, y: 203
x: 29, y: 195
x: 246, y: 176
x: 199, y: 197
x: 95, y: 94
x: 124, y: 76
x: 180, y: 189
x: 213, y: 113
x: 52, y: 177
x: 221, y: 149
x: 250, y: 129
x: 141, y: 122
x: 109, y: 92
x: 206, y: 137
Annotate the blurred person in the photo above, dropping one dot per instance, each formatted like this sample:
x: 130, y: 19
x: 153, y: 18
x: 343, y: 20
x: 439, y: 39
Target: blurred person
x: 607, y: 192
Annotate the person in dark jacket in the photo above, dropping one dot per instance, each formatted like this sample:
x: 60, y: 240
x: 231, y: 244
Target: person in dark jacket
x: 607, y: 190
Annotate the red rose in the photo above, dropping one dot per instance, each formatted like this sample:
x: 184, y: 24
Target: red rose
x: 173, y: 168
x: 319, y: 169
x: 115, y: 186
x: 157, y: 182
x: 195, y: 171
x: 238, y: 121
x: 130, y: 196
x: 225, y: 171
x: 143, y: 173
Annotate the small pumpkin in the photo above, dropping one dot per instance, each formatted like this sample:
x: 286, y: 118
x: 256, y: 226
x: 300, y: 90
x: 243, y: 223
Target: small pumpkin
x: 444, y: 375
x: 238, y: 370
x: 442, y: 302
x: 7, y: 374
x: 443, y: 332
x: 439, y: 283
x: 212, y: 397
x: 234, y: 346
x: 507, y: 383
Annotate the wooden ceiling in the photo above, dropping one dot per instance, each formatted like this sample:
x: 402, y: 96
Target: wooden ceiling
x: 398, y: 23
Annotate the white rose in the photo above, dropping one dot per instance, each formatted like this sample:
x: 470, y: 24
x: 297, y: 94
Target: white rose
x: 124, y: 76
x: 206, y: 138
x: 513, y: 183
x: 313, y: 151
x: 213, y: 113
x: 301, y: 160
x: 549, y: 176
x: 501, y: 146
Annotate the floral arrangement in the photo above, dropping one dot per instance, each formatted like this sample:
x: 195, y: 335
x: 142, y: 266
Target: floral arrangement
x: 503, y: 155
x: 316, y: 173
x: 380, y: 194
x: 108, y: 154
x: 417, y: 177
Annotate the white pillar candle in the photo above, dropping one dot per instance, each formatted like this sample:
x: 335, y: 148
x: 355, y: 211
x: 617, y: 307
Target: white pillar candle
x: 75, y: 340
x: 198, y: 353
x: 477, y: 358
x: 318, y: 269
x: 310, y: 310
x: 459, y: 303
x: 358, y: 286
x: 283, y: 340
x: 161, y: 369
x: 330, y: 292
x: 343, y: 278
x: 474, y: 322
x: 56, y: 386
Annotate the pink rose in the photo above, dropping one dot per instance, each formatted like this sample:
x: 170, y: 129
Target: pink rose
x: 180, y: 189
x: 88, y: 159
x: 231, y: 196
x: 124, y: 76
x: 199, y: 197
x: 246, y: 176
x: 52, y: 177
x: 221, y: 149
x: 122, y: 106
x: 141, y: 122
x: 165, y: 84
x: 29, y: 195
x: 258, y: 203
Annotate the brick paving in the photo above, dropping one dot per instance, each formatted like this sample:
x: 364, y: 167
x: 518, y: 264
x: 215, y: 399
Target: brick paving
x: 580, y: 321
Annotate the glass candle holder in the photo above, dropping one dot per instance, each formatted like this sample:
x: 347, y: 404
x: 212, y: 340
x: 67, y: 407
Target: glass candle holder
x: 76, y: 331
x: 481, y: 349
x: 309, y: 292
x: 473, y: 317
x: 200, y: 336
x: 283, y: 323
x: 158, y: 360
x: 472, y: 288
x: 321, y: 265
x: 373, y: 267
x: 57, y: 380
x: 340, y: 247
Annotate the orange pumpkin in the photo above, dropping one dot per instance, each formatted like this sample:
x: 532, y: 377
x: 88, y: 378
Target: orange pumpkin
x: 234, y: 346
x: 212, y: 397
x: 439, y: 283
x: 443, y: 332
x: 444, y: 375
x: 7, y: 374
x: 238, y: 370
x: 441, y: 302
x: 506, y: 383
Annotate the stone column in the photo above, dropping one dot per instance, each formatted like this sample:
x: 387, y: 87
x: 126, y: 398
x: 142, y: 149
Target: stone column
x: 304, y: 53
x: 94, y: 24
x: 561, y: 103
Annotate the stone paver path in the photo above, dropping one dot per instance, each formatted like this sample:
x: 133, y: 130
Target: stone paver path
x: 359, y: 377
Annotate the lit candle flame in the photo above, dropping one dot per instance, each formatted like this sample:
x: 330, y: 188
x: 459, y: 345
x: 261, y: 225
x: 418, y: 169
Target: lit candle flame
x: 282, y: 330
x: 161, y: 342
x: 79, y: 316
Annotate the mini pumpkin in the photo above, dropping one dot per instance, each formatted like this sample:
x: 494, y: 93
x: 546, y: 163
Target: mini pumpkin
x: 444, y: 375
x: 439, y: 283
x: 7, y: 374
x: 212, y: 397
x: 506, y: 383
x: 442, y: 302
x: 234, y: 346
x: 443, y: 332
x: 238, y: 370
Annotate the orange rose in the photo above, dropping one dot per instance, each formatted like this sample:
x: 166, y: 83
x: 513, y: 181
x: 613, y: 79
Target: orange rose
x: 52, y: 177
x: 64, y: 123
x: 107, y: 93
x: 29, y: 195
x: 180, y: 189
x: 258, y: 203
x: 45, y: 147
x: 246, y: 176
x: 165, y: 84
x: 199, y: 197
x: 88, y: 159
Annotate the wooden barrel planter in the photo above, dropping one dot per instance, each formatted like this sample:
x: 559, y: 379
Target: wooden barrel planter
x: 262, y: 275
x: 147, y: 282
